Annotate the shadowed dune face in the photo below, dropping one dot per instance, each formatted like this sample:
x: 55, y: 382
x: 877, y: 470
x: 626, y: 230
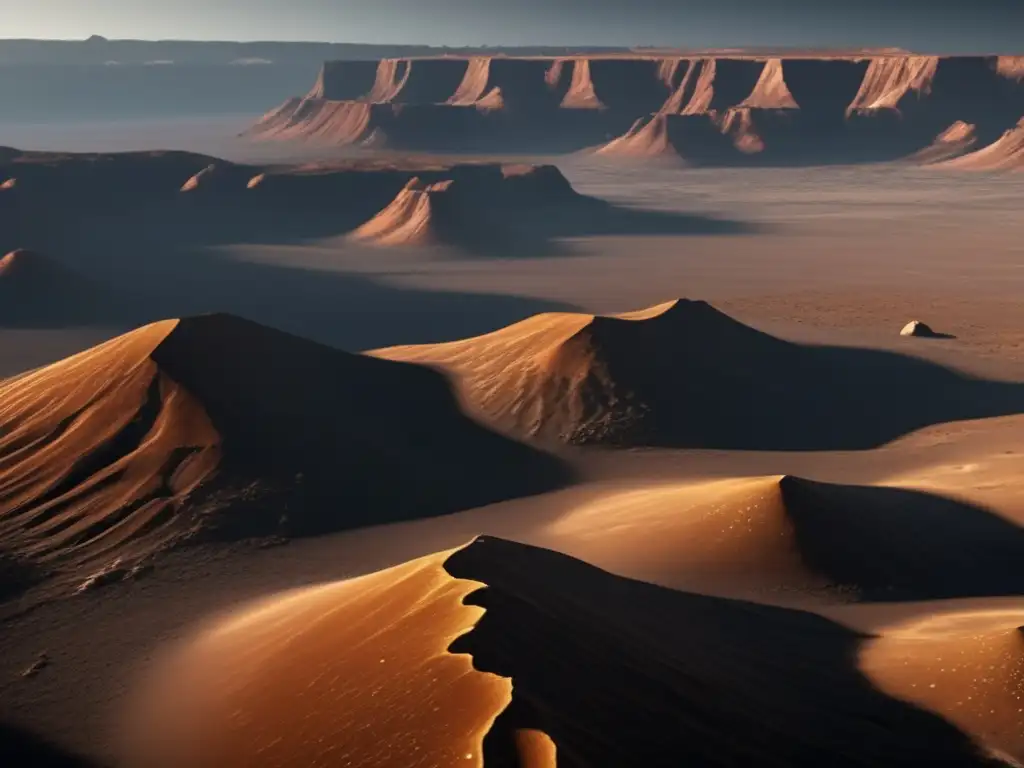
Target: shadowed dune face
x: 847, y: 109
x: 683, y: 374
x: 772, y: 538
x: 514, y: 211
x: 89, y: 181
x: 37, y: 291
x: 565, y: 664
x: 20, y: 747
x: 182, y: 430
x: 149, y: 239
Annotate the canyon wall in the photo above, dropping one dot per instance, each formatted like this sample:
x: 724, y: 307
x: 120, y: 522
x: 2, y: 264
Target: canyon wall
x: 704, y: 110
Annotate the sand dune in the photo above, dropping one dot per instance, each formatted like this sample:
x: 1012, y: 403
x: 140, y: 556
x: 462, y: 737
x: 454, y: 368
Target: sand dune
x: 966, y: 666
x: 179, y: 431
x: 790, y: 539
x: 502, y: 654
x: 1006, y: 154
x: 683, y: 374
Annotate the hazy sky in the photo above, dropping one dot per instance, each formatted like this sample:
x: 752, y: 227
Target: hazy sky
x: 961, y: 24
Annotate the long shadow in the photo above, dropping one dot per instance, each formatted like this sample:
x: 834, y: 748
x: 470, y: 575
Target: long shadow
x: 700, y: 379
x: 618, y: 672
x: 894, y: 544
x: 127, y: 193
x: 20, y: 748
x: 709, y: 384
x: 121, y: 221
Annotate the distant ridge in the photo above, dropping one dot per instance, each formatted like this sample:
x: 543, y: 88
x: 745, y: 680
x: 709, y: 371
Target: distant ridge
x: 714, y: 108
x: 684, y: 374
x: 38, y: 291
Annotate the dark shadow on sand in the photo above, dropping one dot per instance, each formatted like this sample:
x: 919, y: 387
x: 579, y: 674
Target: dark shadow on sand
x: 20, y: 748
x: 121, y: 222
x: 893, y: 544
x: 701, y: 379
x: 619, y: 672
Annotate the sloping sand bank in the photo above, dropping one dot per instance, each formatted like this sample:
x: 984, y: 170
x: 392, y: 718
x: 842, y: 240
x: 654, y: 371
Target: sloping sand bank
x: 683, y: 374
x: 180, y: 432
x: 502, y: 654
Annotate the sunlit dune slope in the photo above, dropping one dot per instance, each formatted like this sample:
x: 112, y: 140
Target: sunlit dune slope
x: 565, y: 664
x: 683, y: 374
x: 362, y: 671
x: 778, y: 538
x: 967, y: 666
x: 217, y: 426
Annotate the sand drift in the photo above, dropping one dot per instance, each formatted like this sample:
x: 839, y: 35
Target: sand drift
x: 710, y: 110
x: 501, y: 654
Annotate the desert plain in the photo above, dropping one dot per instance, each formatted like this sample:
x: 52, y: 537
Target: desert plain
x: 390, y: 430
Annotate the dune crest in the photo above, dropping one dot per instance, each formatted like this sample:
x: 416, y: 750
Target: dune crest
x: 178, y: 431
x: 498, y: 653
x: 791, y: 540
x: 364, y: 664
x: 569, y: 376
x: 684, y: 374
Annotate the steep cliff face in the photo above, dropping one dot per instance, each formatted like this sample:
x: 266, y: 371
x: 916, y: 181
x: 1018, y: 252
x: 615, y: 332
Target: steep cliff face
x: 343, y: 80
x: 745, y: 109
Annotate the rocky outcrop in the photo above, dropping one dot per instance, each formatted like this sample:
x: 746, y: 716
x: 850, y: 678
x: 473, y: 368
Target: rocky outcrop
x: 851, y: 108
